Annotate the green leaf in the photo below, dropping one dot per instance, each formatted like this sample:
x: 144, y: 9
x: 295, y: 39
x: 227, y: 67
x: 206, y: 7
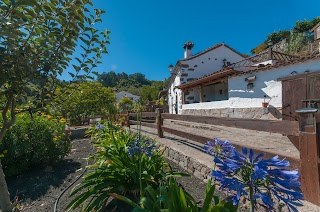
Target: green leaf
x: 71, y: 74
x: 209, y: 196
x: 95, y: 73
x: 125, y: 199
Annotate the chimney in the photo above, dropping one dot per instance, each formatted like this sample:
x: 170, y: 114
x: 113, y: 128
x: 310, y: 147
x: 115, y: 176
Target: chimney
x: 188, y: 49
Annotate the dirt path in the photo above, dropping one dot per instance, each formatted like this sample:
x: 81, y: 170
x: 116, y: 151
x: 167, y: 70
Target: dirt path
x: 37, y: 190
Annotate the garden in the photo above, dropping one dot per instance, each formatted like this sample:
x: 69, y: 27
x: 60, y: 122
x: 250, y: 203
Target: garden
x: 114, y: 169
x: 132, y: 168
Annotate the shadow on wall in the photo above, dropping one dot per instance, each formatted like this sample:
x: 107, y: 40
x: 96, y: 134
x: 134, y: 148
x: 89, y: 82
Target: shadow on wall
x: 275, y: 112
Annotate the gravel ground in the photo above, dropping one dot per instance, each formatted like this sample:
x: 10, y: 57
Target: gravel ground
x: 38, y: 189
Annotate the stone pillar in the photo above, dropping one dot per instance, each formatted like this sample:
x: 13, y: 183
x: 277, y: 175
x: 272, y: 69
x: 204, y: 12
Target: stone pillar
x: 201, y: 93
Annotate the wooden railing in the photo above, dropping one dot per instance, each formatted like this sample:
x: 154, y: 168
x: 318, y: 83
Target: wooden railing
x: 141, y: 119
x: 273, y: 126
x: 306, y: 132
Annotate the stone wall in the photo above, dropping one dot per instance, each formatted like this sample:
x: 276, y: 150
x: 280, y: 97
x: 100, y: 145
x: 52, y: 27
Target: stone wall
x: 193, y: 166
x: 270, y: 113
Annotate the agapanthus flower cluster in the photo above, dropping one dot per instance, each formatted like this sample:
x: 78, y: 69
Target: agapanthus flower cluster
x: 266, y: 180
x: 100, y: 127
x: 218, y: 148
x: 140, y: 147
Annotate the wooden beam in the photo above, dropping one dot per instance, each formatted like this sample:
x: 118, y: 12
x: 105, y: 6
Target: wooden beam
x: 213, y: 76
x: 143, y: 124
x: 144, y: 114
x: 214, y: 82
x: 183, y: 97
x: 309, y: 156
x: 159, y: 122
x: 274, y: 126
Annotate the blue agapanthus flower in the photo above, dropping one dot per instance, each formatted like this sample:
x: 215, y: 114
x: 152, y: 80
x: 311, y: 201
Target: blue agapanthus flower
x: 141, y: 146
x: 100, y: 127
x: 218, y: 148
x: 260, y: 179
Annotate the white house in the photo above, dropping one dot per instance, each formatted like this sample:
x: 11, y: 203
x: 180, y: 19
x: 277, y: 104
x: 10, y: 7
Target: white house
x: 192, y: 67
x: 121, y: 94
x: 239, y: 89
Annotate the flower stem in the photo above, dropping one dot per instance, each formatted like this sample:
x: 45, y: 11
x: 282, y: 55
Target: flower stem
x: 140, y: 177
x: 251, y: 200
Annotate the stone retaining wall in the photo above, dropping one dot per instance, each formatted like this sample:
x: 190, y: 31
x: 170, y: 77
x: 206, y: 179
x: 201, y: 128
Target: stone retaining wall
x: 270, y: 113
x: 193, y: 166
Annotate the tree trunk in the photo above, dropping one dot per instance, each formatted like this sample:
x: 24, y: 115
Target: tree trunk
x: 5, y: 203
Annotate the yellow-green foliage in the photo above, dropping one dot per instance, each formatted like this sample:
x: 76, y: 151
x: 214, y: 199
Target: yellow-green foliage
x: 33, y: 141
x: 125, y: 104
x: 80, y: 101
x: 259, y: 48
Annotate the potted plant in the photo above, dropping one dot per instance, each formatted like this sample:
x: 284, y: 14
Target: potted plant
x: 264, y: 103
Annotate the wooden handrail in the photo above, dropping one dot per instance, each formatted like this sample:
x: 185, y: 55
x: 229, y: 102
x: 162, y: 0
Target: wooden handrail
x: 143, y: 124
x: 144, y: 114
x: 274, y: 126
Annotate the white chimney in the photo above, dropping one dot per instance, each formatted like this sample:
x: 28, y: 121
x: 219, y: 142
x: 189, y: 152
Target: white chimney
x: 188, y: 49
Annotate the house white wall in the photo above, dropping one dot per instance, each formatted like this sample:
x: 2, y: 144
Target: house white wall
x: 266, y: 84
x: 197, y: 67
x: 174, y: 95
x: 208, y: 63
x: 212, y: 92
x: 121, y: 94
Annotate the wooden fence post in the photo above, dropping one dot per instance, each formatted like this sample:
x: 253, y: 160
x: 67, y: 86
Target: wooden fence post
x: 309, y: 154
x: 159, y: 121
x: 128, y: 119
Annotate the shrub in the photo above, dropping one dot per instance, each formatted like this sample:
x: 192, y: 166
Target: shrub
x: 32, y: 141
x: 124, y: 164
x: 171, y: 197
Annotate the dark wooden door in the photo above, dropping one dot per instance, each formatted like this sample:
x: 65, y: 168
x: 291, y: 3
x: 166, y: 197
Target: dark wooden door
x: 293, y: 92
x: 297, y: 88
x: 314, y: 91
x: 314, y: 87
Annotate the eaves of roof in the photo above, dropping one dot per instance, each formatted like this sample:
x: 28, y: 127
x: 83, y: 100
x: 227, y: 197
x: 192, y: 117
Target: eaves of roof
x: 278, y: 65
x: 210, y: 49
x: 209, y: 78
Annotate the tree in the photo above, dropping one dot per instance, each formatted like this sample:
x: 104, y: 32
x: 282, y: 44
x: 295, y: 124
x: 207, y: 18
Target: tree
x: 149, y: 93
x: 139, y: 78
x: 275, y: 37
x: 108, y: 79
x: 84, y: 100
x: 37, y: 41
x: 125, y: 104
x: 305, y: 25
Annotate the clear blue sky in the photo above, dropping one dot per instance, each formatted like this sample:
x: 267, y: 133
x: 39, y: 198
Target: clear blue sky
x: 147, y: 35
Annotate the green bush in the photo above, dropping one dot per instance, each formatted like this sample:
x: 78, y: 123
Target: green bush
x: 124, y: 165
x: 170, y: 197
x: 33, y: 141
